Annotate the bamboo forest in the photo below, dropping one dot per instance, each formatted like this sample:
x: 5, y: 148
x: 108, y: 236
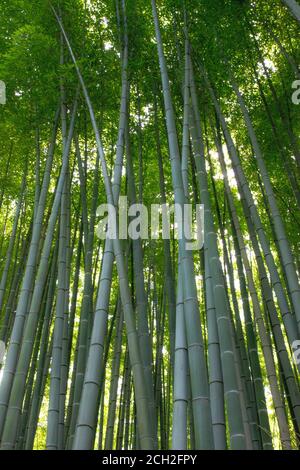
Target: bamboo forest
x: 137, y: 339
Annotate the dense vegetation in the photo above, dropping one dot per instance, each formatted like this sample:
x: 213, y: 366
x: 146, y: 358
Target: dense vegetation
x: 141, y: 343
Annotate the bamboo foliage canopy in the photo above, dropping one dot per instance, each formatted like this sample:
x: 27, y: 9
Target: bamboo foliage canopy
x: 140, y: 342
